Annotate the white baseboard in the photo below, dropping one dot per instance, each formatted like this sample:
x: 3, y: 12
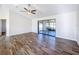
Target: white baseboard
x: 17, y: 34
x: 67, y: 38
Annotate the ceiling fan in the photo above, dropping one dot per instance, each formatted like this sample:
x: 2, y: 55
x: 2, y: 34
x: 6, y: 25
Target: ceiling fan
x: 29, y: 10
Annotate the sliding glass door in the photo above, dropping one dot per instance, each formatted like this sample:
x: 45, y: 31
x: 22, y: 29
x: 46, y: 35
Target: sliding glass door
x: 47, y: 27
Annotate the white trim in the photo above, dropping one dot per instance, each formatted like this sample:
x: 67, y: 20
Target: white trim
x: 18, y: 33
x: 67, y: 38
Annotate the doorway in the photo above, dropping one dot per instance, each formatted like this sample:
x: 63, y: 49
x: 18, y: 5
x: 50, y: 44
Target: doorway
x: 2, y: 27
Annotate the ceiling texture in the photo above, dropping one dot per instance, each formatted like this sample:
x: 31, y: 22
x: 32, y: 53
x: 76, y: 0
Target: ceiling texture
x: 44, y: 10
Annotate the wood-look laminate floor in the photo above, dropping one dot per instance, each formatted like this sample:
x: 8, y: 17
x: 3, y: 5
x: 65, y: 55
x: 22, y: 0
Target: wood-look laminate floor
x: 33, y: 44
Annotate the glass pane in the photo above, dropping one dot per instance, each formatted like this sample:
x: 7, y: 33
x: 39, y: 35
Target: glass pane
x: 40, y: 26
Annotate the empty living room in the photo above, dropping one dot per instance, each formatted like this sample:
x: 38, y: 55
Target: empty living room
x: 39, y: 29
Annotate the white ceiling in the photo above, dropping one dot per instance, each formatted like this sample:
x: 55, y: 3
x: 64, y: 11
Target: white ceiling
x: 44, y: 10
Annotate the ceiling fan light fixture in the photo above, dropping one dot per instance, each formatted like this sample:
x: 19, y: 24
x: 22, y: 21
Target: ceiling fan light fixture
x: 29, y: 13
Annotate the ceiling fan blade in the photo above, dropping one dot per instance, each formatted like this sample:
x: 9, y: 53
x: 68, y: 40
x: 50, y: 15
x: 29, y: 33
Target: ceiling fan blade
x: 33, y: 11
x: 26, y: 9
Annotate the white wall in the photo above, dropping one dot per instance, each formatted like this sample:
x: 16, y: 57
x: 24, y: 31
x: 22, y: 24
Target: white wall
x: 19, y: 24
x: 65, y: 25
x: 77, y: 27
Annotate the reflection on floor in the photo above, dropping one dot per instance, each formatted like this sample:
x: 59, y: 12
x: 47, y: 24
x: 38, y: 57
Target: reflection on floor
x: 50, y: 33
x: 34, y: 44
